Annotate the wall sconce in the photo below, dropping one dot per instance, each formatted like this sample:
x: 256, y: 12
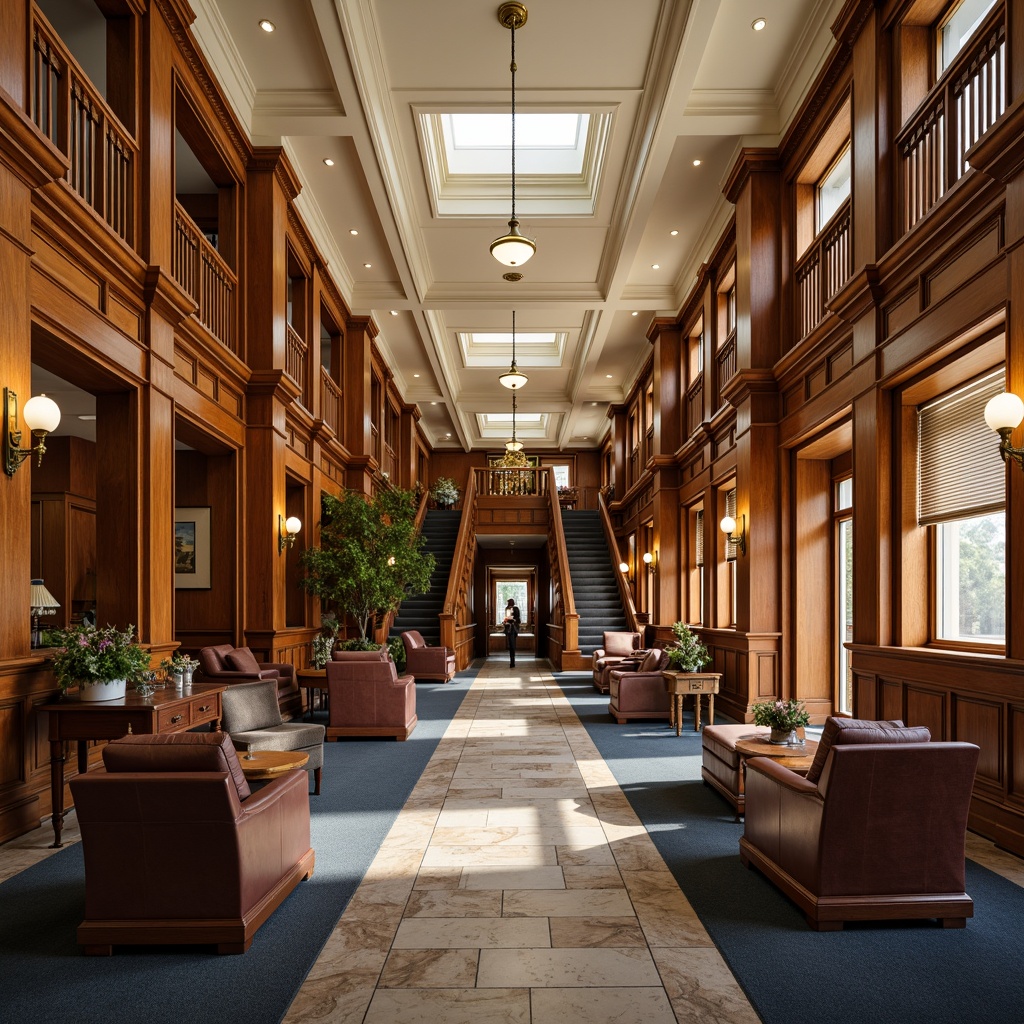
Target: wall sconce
x: 651, y: 561
x: 728, y: 527
x: 1003, y: 414
x: 624, y: 569
x: 287, y: 531
x: 42, y: 417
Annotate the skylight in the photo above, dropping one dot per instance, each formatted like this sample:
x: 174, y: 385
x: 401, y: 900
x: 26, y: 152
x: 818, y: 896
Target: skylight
x: 545, y: 143
x: 494, y: 348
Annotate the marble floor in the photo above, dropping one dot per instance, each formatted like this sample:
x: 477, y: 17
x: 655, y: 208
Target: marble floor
x: 517, y: 886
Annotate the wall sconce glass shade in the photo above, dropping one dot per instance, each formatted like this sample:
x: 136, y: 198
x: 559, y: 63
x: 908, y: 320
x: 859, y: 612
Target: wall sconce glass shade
x: 513, y: 249
x: 728, y: 526
x: 287, y: 530
x: 42, y: 417
x: 651, y: 561
x: 624, y: 568
x: 1003, y: 414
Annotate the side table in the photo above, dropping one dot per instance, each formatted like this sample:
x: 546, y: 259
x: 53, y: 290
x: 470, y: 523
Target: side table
x: 313, y: 681
x: 797, y: 759
x: 268, y: 764
x: 681, y: 684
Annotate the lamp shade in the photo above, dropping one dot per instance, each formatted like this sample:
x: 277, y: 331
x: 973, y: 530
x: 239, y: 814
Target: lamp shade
x: 1002, y: 411
x: 40, y: 599
x: 513, y: 249
x: 728, y: 525
x: 623, y: 567
x: 42, y: 415
x: 292, y: 525
x: 513, y: 379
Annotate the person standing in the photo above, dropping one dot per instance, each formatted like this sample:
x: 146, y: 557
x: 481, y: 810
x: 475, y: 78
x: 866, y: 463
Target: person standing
x: 511, y: 625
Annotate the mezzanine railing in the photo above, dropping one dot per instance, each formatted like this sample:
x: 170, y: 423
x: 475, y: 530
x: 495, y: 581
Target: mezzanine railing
x: 824, y: 269
x: 295, y: 354
x: 330, y: 401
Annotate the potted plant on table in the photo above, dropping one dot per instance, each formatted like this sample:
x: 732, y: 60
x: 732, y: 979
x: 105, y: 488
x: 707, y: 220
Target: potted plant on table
x: 100, y: 661
x: 687, y: 652
x: 783, y: 717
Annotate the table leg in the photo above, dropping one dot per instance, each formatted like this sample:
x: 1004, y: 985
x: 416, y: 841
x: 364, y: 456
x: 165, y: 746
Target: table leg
x: 711, y: 708
x: 672, y: 710
x: 83, y: 756
x: 696, y: 712
x: 679, y: 714
x: 57, y: 791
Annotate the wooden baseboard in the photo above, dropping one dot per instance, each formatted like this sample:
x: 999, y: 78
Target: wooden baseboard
x: 335, y: 732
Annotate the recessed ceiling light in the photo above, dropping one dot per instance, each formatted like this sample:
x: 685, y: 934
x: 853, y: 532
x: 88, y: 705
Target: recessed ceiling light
x: 447, y: 435
x: 673, y: 232
x: 433, y: 403
x: 696, y: 163
x: 353, y: 231
x: 267, y: 25
x: 636, y: 312
x: 757, y: 24
x: 394, y: 312
x: 415, y: 374
x: 328, y: 162
x: 608, y: 375
x: 87, y: 417
x: 367, y: 265
x: 593, y: 403
x: 655, y: 266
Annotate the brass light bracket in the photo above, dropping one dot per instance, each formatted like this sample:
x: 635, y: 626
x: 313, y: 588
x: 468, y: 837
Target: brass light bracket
x: 14, y: 454
x: 1006, y: 450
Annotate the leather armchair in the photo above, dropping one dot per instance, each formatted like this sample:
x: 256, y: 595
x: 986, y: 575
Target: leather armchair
x: 227, y: 664
x: 617, y: 646
x: 639, y: 692
x: 184, y: 795
x: 877, y: 835
x: 425, y: 662
x: 368, y: 697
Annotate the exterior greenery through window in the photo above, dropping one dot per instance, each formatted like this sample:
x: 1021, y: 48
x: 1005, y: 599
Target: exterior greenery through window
x: 971, y: 568
x: 516, y: 589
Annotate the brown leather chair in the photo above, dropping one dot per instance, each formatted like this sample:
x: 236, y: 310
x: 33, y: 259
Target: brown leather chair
x: 617, y: 646
x: 875, y: 831
x: 227, y: 664
x: 368, y: 697
x: 639, y: 692
x: 425, y: 662
x: 176, y: 849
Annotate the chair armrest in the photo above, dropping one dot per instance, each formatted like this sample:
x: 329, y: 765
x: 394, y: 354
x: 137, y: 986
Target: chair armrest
x: 780, y: 774
x: 233, y: 676
x: 285, y: 669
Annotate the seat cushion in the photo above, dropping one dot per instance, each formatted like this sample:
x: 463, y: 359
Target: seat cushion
x: 241, y: 659
x: 844, y: 731
x: 305, y: 736
x: 720, y: 740
x: 176, y: 752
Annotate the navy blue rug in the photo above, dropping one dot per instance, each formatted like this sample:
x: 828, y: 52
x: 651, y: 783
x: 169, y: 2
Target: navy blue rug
x: 885, y: 973
x: 44, y: 977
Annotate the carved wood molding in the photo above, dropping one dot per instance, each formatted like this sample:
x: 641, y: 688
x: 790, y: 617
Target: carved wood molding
x: 751, y: 161
x: 273, y: 384
x: 274, y: 159
x: 166, y: 297
x: 860, y: 293
x: 999, y: 153
x: 748, y: 383
x: 24, y: 149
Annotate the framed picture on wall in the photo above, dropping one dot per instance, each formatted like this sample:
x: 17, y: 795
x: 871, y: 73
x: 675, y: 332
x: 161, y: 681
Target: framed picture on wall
x: 192, y: 548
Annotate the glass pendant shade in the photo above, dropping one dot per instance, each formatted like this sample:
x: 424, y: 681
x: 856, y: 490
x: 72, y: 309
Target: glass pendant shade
x: 513, y: 379
x: 513, y: 249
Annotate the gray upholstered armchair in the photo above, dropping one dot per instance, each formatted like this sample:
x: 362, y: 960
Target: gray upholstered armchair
x: 251, y: 714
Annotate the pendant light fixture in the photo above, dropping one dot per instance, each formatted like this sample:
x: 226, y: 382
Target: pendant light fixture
x: 513, y: 249
x: 512, y: 378
x: 514, y: 445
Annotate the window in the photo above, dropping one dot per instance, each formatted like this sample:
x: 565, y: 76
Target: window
x: 833, y: 189
x: 843, y: 518
x: 730, y: 312
x: 966, y: 511
x: 958, y: 27
x: 561, y: 476
x: 696, y: 594
x: 518, y: 591
x: 728, y: 606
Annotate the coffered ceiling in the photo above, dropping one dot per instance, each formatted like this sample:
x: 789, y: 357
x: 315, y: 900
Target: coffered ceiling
x: 364, y: 83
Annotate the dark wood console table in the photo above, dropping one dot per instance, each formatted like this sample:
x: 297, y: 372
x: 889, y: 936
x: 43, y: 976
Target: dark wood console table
x: 167, y: 710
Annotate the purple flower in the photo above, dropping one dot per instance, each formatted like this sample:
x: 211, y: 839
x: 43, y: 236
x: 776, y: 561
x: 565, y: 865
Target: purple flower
x: 83, y: 641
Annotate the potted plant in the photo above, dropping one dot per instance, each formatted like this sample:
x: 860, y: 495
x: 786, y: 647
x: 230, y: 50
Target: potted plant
x: 687, y: 652
x: 324, y: 641
x: 179, y: 668
x: 444, y: 492
x: 99, y: 661
x: 783, y: 717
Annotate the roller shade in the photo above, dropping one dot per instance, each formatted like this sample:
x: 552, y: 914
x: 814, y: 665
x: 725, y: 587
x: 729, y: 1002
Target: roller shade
x: 699, y: 538
x: 959, y: 471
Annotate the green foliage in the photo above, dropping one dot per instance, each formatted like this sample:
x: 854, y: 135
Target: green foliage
x: 85, y: 654
x: 982, y: 563
x: 397, y: 649
x: 370, y: 556
x: 444, y: 491
x: 781, y: 714
x: 687, y: 652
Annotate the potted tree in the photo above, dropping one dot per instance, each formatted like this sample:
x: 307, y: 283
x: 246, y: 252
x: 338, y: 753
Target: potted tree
x: 99, y: 661
x: 687, y: 652
x: 369, y: 557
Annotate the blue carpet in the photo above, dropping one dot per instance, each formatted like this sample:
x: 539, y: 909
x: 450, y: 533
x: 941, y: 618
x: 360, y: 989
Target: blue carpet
x: 885, y: 973
x: 44, y: 977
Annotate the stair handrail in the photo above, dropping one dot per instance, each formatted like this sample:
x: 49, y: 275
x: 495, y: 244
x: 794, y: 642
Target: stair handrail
x: 561, y: 578
x: 456, y: 601
x: 383, y: 631
x: 625, y: 594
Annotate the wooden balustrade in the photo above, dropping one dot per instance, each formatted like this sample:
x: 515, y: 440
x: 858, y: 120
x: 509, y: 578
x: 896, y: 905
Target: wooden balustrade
x: 725, y: 366
x: 457, y: 629
x: 823, y: 270
x: 330, y: 401
x: 295, y: 353
x: 512, y: 482
x: 960, y: 108
x: 694, y: 405
x: 201, y: 271
x: 71, y: 113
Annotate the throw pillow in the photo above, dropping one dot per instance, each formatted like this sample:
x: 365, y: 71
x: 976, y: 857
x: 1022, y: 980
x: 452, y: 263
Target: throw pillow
x: 652, y: 662
x: 618, y: 644
x: 845, y: 731
x: 241, y: 659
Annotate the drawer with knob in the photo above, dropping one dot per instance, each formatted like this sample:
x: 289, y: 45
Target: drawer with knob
x: 176, y: 718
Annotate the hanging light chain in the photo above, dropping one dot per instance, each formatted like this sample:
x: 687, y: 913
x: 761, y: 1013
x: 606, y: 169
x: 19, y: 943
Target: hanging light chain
x: 512, y: 68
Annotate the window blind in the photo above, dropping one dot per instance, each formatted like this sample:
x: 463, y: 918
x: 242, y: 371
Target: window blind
x: 699, y: 538
x: 959, y: 471
x: 730, y: 510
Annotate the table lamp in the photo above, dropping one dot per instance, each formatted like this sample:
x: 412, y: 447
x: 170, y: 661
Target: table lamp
x: 41, y: 602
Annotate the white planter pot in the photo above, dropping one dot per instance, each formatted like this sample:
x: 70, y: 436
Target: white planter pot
x: 110, y: 690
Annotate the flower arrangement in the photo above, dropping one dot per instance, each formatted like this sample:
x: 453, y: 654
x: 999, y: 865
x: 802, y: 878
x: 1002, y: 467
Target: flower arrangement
x: 444, y: 491
x: 178, y: 664
x: 781, y: 715
x: 687, y: 652
x: 85, y: 654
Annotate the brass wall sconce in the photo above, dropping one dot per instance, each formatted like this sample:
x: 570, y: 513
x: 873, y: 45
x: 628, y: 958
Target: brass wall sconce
x: 624, y: 569
x: 651, y: 561
x: 42, y: 417
x: 738, y: 537
x: 287, y: 530
x: 1003, y: 414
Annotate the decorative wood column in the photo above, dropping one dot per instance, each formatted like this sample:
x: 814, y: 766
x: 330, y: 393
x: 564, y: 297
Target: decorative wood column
x: 357, y: 366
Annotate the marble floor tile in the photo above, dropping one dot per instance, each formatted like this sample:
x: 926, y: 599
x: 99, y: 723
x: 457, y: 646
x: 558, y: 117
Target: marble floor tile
x: 586, y: 877
x: 569, y: 903
x: 449, y: 1006
x: 579, y: 836
x: 512, y: 878
x: 438, y: 878
x: 702, y: 989
x: 454, y: 903
x: 430, y: 968
x: 597, y: 855
x: 504, y: 854
x: 601, y: 1006
x: 566, y: 968
x: 595, y: 932
x: 472, y: 933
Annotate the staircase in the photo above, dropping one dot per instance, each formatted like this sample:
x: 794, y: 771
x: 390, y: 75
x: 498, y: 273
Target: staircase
x: 594, y: 585
x: 421, y: 611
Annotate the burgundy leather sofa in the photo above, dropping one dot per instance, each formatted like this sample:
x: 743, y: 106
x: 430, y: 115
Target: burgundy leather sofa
x: 875, y: 831
x: 639, y: 692
x: 425, y: 662
x: 616, y: 647
x: 368, y: 697
x: 178, y: 851
x: 227, y: 664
